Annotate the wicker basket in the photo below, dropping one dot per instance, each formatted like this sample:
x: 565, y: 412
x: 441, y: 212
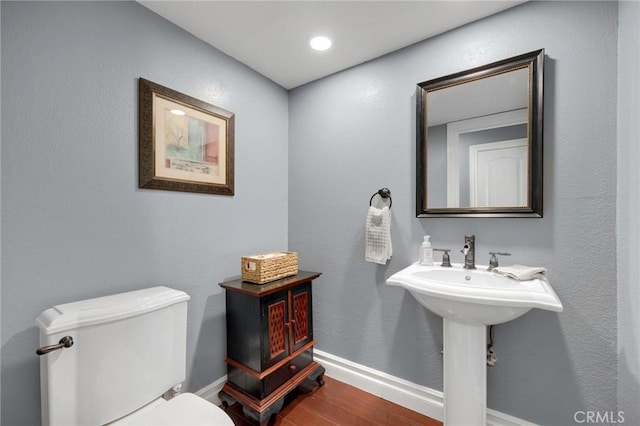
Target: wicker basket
x: 267, y: 267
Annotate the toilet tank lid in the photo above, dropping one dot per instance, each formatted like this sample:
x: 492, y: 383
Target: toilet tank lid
x: 107, y: 309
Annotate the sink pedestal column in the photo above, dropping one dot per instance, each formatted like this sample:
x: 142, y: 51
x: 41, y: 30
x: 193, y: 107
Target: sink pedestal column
x: 465, y: 374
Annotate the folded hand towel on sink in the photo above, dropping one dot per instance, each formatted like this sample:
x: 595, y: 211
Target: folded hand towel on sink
x: 521, y: 272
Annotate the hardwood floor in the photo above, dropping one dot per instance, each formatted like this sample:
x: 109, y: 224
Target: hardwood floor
x: 337, y: 403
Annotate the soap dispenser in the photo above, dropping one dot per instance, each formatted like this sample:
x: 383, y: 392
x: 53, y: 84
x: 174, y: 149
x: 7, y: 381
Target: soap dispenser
x: 426, y: 252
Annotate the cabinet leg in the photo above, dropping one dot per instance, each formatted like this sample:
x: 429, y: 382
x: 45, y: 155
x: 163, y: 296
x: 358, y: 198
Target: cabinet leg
x: 320, y: 376
x: 317, y: 375
x: 263, y: 417
x: 312, y: 381
x: 226, y: 399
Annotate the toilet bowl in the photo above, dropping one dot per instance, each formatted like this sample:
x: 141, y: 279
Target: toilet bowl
x: 184, y: 409
x: 108, y: 361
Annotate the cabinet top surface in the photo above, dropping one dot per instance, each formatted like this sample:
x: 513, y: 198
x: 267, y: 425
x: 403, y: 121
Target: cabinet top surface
x: 268, y: 288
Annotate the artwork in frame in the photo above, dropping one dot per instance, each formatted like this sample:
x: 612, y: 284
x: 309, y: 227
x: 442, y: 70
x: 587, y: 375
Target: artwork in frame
x: 184, y: 144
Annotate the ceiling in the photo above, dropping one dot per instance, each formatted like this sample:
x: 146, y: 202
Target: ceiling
x: 271, y: 37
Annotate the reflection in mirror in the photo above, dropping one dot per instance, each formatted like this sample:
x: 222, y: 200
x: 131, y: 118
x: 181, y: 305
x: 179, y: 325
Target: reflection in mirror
x: 480, y: 141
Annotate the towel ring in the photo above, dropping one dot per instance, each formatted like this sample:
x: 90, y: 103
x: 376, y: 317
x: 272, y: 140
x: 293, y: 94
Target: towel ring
x: 383, y: 193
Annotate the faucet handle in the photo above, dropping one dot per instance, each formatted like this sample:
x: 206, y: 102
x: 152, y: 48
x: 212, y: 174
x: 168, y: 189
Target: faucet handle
x: 446, y: 260
x: 493, y: 262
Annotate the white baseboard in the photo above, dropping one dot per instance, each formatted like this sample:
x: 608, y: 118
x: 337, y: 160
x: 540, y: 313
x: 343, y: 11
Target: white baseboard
x: 415, y: 397
x: 418, y: 398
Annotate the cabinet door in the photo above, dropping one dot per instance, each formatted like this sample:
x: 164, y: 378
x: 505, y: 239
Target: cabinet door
x: 301, y: 316
x: 275, y: 341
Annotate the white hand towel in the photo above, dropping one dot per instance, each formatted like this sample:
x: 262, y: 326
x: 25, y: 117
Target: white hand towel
x: 521, y: 272
x: 378, y: 247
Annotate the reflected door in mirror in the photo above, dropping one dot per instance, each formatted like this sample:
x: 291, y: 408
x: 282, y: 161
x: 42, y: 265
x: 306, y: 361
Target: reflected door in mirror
x: 498, y: 173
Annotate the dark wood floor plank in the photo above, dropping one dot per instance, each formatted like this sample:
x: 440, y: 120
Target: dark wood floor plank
x: 282, y: 422
x: 338, y: 404
x: 380, y: 410
x: 380, y: 413
x: 336, y: 413
x: 303, y: 415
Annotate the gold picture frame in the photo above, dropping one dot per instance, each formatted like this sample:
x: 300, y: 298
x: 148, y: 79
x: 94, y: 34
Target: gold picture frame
x: 184, y: 144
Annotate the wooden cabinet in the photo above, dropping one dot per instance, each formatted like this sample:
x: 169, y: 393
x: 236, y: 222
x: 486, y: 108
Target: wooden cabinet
x: 269, y: 343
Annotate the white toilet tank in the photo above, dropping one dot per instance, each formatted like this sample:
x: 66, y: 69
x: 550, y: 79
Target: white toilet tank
x: 128, y: 349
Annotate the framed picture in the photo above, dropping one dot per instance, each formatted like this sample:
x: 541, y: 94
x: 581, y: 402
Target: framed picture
x: 184, y: 144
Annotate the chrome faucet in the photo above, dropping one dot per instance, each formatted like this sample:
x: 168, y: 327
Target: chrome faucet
x: 469, y: 251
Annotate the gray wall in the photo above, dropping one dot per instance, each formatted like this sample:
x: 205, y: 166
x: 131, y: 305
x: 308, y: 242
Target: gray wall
x: 74, y: 223
x: 353, y: 132
x: 628, y: 208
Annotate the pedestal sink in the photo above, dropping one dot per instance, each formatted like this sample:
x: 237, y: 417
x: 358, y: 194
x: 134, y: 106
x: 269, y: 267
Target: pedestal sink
x: 468, y: 301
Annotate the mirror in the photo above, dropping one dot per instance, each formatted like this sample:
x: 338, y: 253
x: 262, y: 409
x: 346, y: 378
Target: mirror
x: 479, y: 141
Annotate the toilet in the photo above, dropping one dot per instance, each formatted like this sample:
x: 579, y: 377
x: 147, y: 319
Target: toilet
x: 110, y: 360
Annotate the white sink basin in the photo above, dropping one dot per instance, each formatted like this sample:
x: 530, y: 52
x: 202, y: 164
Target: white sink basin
x: 474, y: 296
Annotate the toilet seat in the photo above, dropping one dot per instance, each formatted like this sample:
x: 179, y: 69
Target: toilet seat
x: 185, y: 409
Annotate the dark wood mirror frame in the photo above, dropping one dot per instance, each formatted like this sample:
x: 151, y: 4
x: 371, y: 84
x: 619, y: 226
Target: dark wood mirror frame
x: 534, y: 61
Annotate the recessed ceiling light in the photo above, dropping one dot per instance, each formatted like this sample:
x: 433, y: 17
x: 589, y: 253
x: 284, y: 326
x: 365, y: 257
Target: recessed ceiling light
x: 320, y: 42
x: 177, y: 112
